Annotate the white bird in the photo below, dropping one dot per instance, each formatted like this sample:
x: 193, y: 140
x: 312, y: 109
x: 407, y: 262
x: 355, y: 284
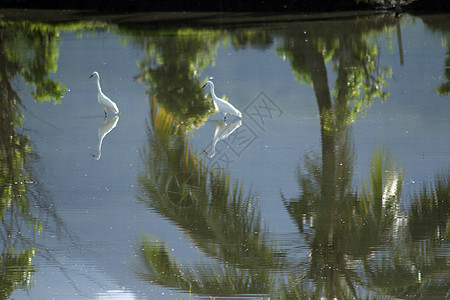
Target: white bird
x: 104, y: 101
x: 104, y: 129
x: 222, y: 105
x: 223, y: 131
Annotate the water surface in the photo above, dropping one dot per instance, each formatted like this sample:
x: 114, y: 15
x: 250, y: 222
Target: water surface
x: 334, y: 184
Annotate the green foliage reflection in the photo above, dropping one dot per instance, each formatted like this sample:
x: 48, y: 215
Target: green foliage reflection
x: 16, y: 271
x: 29, y: 51
x: 161, y: 268
x: 414, y: 265
x: 354, y: 56
x: 170, y: 69
x: 34, y: 49
x: 358, y: 236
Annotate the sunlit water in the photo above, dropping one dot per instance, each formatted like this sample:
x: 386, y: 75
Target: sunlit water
x: 333, y: 184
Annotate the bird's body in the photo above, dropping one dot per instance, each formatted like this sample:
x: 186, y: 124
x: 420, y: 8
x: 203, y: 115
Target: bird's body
x: 103, y: 100
x: 222, y: 105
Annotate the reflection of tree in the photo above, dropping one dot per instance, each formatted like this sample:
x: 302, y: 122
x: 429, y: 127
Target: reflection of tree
x: 326, y: 184
x: 361, y: 243
x: 27, y: 51
x: 170, y: 69
x: 355, y: 60
x: 413, y: 262
x: 16, y: 252
x: 175, y: 57
x: 326, y: 195
x: 357, y: 239
x: 347, y: 225
x: 376, y: 208
x: 440, y: 24
x: 256, y: 38
x: 358, y: 81
x: 33, y: 47
x: 216, y: 214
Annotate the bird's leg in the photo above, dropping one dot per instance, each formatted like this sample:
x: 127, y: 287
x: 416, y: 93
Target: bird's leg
x: 105, y: 113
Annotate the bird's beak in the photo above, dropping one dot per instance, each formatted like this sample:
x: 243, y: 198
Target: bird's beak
x: 203, y: 86
x: 91, y: 76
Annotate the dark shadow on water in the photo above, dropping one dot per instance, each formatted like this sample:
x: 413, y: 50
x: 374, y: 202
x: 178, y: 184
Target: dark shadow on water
x: 148, y: 20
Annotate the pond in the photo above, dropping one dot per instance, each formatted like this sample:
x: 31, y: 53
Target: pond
x: 334, y: 183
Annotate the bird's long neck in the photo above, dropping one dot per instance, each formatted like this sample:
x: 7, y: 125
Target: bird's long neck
x: 98, y: 84
x: 100, y: 141
x: 213, y: 94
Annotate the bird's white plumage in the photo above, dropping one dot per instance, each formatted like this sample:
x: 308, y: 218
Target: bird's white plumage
x: 103, y: 100
x: 222, y: 105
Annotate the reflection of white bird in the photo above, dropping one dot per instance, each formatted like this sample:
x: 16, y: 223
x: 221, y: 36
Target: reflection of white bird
x: 104, y: 129
x: 222, y: 105
x: 223, y: 130
x: 104, y: 101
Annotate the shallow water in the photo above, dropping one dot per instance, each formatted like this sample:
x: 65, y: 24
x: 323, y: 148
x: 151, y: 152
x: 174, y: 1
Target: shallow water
x: 334, y: 184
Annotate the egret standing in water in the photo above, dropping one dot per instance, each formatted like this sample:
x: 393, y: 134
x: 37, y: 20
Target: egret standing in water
x: 104, y: 101
x: 222, y: 105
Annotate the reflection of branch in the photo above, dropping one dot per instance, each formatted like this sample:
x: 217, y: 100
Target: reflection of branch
x: 399, y: 42
x: 68, y: 273
x: 39, y: 118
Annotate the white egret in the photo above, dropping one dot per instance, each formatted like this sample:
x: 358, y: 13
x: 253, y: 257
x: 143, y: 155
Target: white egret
x: 222, y: 105
x: 104, y: 129
x: 223, y: 131
x: 104, y: 101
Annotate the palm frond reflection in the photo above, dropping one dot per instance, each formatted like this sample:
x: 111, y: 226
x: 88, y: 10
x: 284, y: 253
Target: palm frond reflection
x: 217, y: 214
x: 219, y: 280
